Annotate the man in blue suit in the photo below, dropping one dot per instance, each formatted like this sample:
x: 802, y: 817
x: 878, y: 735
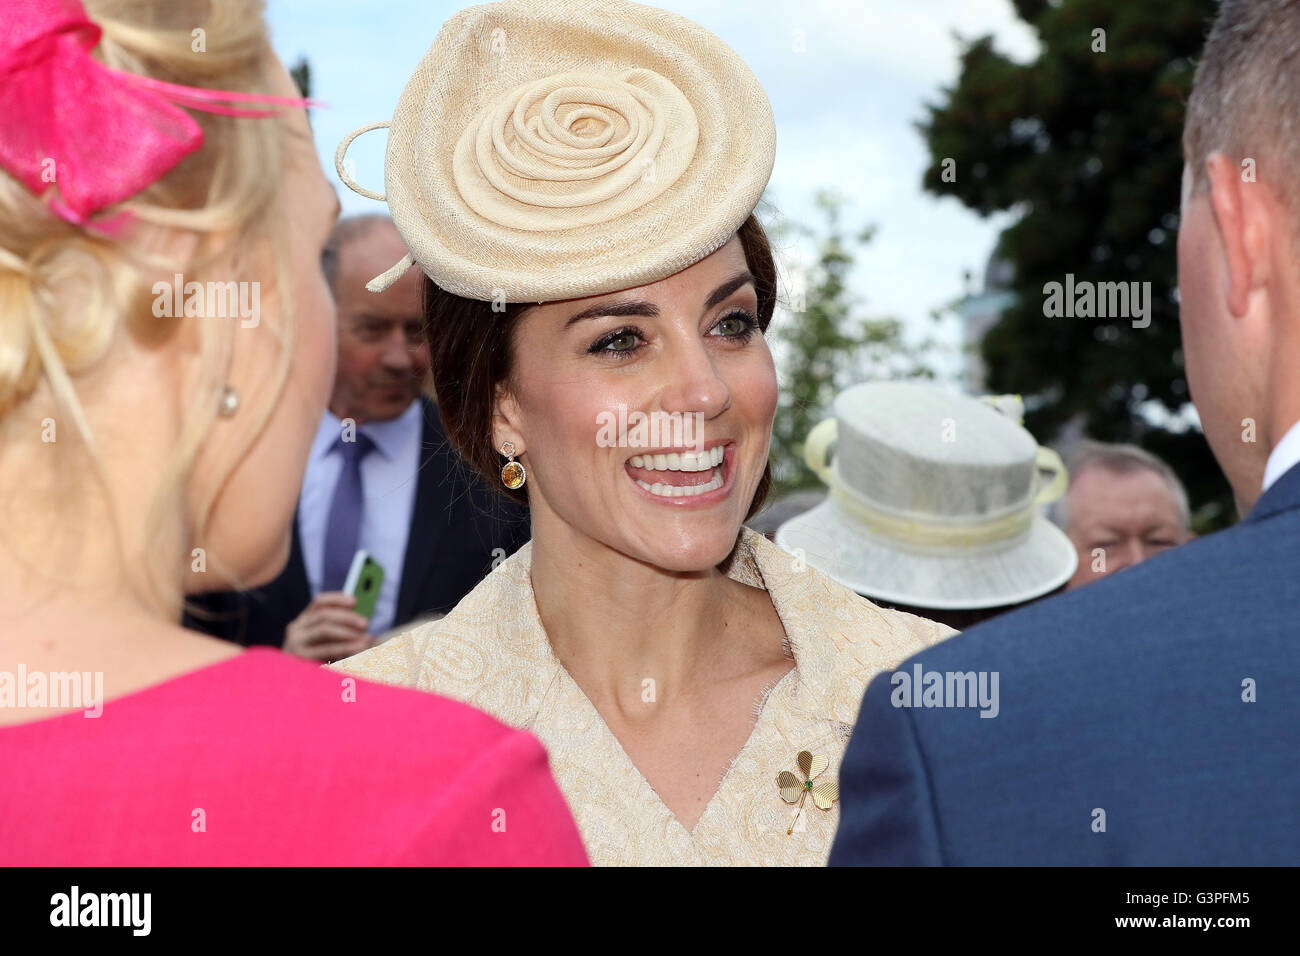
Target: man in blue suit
x: 1152, y: 718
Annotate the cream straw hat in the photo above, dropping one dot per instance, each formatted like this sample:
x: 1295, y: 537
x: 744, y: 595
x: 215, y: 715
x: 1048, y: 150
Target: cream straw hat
x: 935, y: 501
x: 553, y: 149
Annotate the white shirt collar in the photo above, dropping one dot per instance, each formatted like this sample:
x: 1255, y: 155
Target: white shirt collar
x: 392, y: 435
x: 1285, y: 455
x: 389, y: 436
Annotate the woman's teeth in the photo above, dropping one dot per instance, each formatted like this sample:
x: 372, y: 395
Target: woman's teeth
x: 682, y: 491
x: 681, y: 462
x: 685, y: 461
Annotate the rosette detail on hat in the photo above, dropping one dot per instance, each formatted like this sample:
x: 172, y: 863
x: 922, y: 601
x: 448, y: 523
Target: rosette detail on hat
x: 595, y: 145
x: 557, y: 149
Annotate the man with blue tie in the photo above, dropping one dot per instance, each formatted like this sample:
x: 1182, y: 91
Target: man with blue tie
x: 381, y: 478
x: 1151, y: 718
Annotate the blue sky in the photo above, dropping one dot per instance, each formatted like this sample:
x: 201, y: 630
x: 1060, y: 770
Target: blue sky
x: 846, y: 108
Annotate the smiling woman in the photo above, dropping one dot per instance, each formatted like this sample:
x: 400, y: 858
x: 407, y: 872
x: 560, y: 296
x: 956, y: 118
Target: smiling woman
x: 577, y: 181
x: 474, y: 347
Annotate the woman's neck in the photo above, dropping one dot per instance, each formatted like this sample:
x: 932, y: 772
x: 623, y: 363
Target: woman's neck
x: 112, y: 644
x: 623, y: 628
x: 75, y: 587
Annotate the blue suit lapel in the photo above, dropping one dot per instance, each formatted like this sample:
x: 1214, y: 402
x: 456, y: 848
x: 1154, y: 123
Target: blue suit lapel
x: 423, y: 539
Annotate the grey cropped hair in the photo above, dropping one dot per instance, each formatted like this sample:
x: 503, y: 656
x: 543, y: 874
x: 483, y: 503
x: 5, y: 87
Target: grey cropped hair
x: 1122, y: 460
x: 345, y: 231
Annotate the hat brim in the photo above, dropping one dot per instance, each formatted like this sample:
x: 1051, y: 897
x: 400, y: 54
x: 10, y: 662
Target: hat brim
x: 995, y: 575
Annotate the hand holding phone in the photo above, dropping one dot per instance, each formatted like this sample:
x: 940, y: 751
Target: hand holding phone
x: 328, y: 629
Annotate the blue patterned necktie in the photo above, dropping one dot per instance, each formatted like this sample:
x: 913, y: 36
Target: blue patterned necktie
x: 343, y: 528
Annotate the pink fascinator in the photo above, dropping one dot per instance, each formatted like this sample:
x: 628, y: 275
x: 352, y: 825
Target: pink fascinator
x: 98, y: 134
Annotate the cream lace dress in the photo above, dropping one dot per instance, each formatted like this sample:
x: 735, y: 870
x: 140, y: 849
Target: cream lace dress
x: 491, y: 651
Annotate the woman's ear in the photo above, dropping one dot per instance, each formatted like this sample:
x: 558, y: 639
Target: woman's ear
x: 506, y: 420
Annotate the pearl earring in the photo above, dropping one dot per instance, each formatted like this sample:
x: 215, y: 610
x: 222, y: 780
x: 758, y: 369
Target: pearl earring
x: 228, y: 403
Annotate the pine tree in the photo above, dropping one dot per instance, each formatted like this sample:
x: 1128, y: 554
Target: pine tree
x: 1083, y: 146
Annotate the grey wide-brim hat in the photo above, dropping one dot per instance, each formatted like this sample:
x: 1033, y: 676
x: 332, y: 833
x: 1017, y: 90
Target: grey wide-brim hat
x: 935, y: 502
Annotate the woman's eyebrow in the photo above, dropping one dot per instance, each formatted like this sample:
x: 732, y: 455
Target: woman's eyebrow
x: 731, y: 285
x: 618, y: 309
x: 615, y: 309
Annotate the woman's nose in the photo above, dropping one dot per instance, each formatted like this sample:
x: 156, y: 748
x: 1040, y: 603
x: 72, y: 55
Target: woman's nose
x: 693, y: 382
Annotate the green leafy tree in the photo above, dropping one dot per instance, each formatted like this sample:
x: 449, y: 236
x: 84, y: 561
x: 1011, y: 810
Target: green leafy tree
x: 1083, y: 147
x: 828, y: 345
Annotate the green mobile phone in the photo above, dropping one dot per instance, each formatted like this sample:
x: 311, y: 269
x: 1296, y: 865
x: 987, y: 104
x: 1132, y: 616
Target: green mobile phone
x: 365, y: 578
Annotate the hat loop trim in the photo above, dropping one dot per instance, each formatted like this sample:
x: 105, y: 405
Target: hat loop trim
x: 380, y: 282
x: 341, y: 153
x: 1050, y: 461
x: 817, y: 446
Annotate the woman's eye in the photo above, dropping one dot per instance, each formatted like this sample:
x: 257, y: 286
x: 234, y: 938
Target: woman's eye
x: 621, y: 342
x: 736, y: 325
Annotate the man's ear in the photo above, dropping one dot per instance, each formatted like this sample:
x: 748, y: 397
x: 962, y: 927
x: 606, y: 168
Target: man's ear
x: 506, y: 420
x: 1241, y: 213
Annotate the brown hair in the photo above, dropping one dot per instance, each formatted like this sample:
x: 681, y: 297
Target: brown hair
x: 470, y: 344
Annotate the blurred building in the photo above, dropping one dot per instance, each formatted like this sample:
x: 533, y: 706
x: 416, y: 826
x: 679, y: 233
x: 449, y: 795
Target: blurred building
x: 979, y: 311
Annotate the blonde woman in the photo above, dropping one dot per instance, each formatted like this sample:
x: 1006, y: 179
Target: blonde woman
x: 150, y: 447
x: 577, y: 180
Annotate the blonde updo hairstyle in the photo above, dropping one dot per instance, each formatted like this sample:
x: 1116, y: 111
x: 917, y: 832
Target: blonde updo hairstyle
x: 67, y: 292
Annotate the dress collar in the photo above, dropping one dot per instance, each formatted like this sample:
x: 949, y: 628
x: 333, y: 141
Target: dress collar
x: 755, y: 561
x: 787, y: 579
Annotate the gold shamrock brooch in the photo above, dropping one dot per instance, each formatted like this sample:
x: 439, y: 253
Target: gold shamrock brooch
x: 796, y: 789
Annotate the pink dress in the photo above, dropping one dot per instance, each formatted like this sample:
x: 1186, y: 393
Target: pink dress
x: 261, y: 760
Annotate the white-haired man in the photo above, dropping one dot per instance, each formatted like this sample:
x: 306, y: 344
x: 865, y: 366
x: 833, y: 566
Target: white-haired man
x: 1124, y: 505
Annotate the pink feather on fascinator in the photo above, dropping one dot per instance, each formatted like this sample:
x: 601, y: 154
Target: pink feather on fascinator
x: 106, y: 134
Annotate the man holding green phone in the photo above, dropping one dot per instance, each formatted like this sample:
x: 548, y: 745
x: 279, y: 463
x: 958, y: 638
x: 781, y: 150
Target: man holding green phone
x: 390, y: 527
x: 365, y: 532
